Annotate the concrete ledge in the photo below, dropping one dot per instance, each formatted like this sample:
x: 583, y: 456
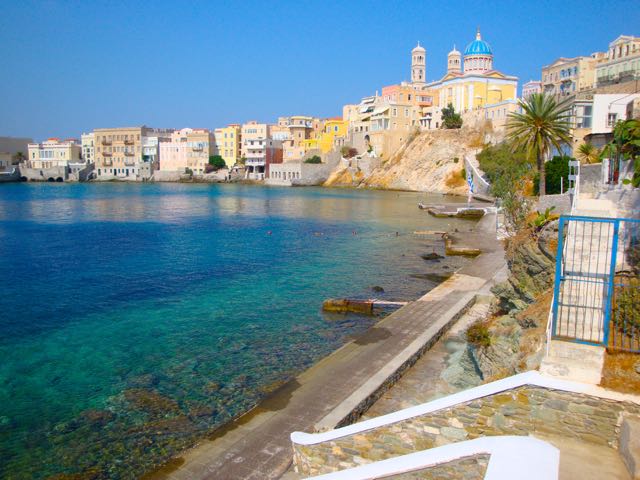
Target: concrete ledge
x: 524, y: 458
x: 532, y: 378
x: 360, y: 400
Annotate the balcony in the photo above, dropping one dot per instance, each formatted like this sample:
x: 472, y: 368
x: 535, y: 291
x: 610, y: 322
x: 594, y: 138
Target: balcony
x: 255, y: 161
x: 128, y: 142
x: 129, y: 154
x: 129, y: 162
x: 107, y: 162
x: 197, y: 149
x: 107, y: 154
x: 106, y: 142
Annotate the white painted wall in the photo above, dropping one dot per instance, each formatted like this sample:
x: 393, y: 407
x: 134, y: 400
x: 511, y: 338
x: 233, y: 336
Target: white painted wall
x: 611, y: 103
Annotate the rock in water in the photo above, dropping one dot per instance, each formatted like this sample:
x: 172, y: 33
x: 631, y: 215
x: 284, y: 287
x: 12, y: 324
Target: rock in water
x: 431, y: 256
x: 343, y: 305
x: 377, y: 288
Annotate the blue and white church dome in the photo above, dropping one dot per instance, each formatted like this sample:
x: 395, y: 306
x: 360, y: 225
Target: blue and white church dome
x: 478, y: 56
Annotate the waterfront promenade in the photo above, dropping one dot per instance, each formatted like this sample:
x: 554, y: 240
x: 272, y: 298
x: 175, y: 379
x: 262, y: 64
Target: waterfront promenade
x: 339, y: 388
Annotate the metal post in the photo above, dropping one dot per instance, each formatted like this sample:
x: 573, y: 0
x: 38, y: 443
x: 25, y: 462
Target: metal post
x: 611, y: 281
x: 558, y: 277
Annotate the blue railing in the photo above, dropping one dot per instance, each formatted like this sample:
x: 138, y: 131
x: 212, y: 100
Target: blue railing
x: 597, y: 287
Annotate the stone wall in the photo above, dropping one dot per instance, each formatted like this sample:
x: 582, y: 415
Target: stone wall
x: 467, y: 468
x: 521, y: 411
x: 562, y: 202
x: 44, y: 174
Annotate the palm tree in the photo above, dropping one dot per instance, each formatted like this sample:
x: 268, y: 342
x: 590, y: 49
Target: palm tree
x: 19, y: 157
x: 542, y: 125
x: 587, y: 153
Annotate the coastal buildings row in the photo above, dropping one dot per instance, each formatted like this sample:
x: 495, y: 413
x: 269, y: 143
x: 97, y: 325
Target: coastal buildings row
x: 599, y: 86
x: 381, y: 123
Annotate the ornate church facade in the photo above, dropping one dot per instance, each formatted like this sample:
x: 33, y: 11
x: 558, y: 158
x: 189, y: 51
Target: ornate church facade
x: 471, y: 82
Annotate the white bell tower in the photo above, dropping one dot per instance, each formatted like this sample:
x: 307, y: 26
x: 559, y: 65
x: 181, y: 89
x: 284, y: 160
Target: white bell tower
x: 419, y: 65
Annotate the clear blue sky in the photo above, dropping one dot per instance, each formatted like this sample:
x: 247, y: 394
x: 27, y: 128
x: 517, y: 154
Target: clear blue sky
x: 69, y: 67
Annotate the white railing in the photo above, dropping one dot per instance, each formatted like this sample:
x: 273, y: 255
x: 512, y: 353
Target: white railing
x: 479, y: 181
x: 574, y: 183
x: 524, y: 458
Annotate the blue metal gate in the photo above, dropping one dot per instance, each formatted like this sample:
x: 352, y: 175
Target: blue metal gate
x: 597, y: 291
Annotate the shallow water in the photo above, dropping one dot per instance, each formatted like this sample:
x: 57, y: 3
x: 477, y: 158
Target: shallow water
x: 136, y: 318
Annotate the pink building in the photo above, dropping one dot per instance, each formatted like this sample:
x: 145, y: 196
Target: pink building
x: 188, y: 149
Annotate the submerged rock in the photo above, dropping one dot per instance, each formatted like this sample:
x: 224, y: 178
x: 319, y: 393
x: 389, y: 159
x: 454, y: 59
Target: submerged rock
x: 343, y: 305
x: 431, y: 256
x: 150, y: 401
x: 377, y: 288
x: 212, y: 387
x: 97, y: 417
x: 432, y: 277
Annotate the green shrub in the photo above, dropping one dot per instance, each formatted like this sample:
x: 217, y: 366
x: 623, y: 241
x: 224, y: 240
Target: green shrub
x: 463, y: 173
x: 626, y: 308
x: 555, y: 170
x: 542, y: 218
x: 451, y: 119
x: 217, y: 162
x: 314, y: 159
x: 478, y: 335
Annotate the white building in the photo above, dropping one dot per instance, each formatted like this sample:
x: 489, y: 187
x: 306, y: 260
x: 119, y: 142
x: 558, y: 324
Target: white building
x: 608, y: 109
x: 53, y: 153
x: 88, y: 147
x: 622, y: 61
x: 532, y: 86
x: 259, y: 150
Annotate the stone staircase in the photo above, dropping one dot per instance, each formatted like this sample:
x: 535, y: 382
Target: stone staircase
x: 583, y: 296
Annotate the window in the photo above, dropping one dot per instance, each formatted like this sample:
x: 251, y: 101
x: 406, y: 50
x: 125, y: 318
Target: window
x: 611, y: 119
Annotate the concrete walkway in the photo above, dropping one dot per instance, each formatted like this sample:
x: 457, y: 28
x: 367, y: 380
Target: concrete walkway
x: 258, y: 446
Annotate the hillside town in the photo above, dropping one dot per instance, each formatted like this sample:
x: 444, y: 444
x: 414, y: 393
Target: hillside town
x: 602, y: 87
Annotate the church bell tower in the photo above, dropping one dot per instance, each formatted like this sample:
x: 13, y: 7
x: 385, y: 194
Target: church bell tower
x: 419, y: 66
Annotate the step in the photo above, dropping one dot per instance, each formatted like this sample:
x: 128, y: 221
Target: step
x: 574, y: 361
x: 630, y: 445
x: 587, y: 461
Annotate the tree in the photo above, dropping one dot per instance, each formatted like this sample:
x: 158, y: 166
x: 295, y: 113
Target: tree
x: 314, y: 159
x: 542, y: 126
x: 451, y: 119
x: 588, y: 153
x: 18, y: 157
x: 625, y: 145
x: 348, y: 152
x: 509, y: 174
x: 217, y: 162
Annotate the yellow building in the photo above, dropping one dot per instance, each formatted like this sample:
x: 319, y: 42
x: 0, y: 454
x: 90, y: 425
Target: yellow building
x: 333, y: 128
x: 473, y: 83
x: 227, y: 143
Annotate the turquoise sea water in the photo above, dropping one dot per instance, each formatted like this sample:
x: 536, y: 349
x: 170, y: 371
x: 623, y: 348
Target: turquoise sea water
x: 134, y: 319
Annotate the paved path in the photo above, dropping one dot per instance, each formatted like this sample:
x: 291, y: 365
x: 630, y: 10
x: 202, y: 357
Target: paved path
x: 258, y: 445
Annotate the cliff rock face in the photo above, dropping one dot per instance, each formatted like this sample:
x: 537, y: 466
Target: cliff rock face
x: 531, y: 262
x: 432, y: 161
x: 517, y: 336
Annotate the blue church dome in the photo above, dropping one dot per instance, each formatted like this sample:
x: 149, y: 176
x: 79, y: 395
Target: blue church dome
x: 478, y: 46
